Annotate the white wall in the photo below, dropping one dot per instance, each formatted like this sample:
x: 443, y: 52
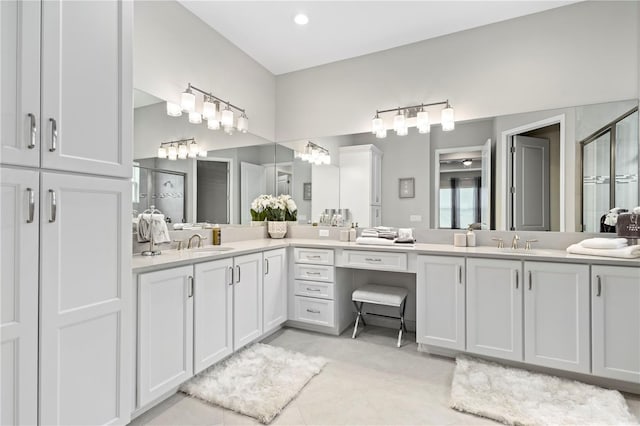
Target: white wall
x: 172, y: 47
x: 574, y: 55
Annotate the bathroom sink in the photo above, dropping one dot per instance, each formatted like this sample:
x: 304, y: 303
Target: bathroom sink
x: 523, y: 252
x: 210, y: 249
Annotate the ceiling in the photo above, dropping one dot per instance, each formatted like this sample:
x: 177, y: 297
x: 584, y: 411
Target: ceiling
x: 345, y: 29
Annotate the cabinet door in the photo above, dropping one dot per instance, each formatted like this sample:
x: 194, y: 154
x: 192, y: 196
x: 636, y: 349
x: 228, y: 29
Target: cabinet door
x: 274, y: 287
x: 165, y: 331
x: 615, y: 296
x: 20, y: 104
x: 494, y: 308
x: 440, y: 311
x: 86, y: 86
x: 213, y: 313
x: 19, y: 297
x: 247, y: 299
x: 85, y: 277
x: 556, y: 316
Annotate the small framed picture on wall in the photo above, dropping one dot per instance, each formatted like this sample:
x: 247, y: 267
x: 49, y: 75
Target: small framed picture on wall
x: 306, y: 191
x: 406, y: 188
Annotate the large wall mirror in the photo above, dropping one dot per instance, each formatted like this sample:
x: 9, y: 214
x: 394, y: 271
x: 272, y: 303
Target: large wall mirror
x: 545, y: 170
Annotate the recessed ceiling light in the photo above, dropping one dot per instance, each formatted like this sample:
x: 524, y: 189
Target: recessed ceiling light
x: 301, y: 19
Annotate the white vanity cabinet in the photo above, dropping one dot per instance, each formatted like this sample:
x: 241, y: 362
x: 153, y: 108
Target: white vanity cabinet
x: 361, y: 182
x: 59, y: 84
x: 556, y: 316
x: 494, y: 308
x: 440, y: 301
x: 615, y: 322
x: 247, y: 299
x: 213, y: 313
x: 274, y: 289
x: 165, y: 331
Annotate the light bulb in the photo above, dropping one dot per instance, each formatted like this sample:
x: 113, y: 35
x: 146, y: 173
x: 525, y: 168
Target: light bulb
x: 376, y: 124
x: 447, y: 120
x: 422, y: 122
x: 243, y: 123
x: 172, y: 152
x: 162, y: 152
x: 467, y: 162
x: 399, y: 121
x: 193, y: 149
x: 202, y: 152
x: 227, y: 118
x: 402, y: 131
x: 195, y: 117
x: 208, y: 109
x: 381, y: 134
x: 173, y: 110
x: 213, y: 124
x: 183, y: 151
x: 188, y: 101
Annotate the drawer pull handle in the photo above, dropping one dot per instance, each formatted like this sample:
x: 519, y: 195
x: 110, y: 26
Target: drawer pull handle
x: 314, y: 256
x: 312, y: 311
x: 54, y: 134
x: 530, y: 281
x: 313, y: 289
x: 313, y: 273
x: 32, y: 131
x: 231, y: 274
x: 373, y: 259
x: 53, y: 205
x: 32, y: 205
x: 599, y: 293
x: 190, y: 291
x: 517, y: 279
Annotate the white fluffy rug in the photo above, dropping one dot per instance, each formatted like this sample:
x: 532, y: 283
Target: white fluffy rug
x: 518, y: 397
x: 259, y: 381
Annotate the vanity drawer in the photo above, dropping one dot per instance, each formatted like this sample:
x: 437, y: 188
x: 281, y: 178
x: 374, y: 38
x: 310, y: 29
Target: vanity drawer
x: 314, y: 311
x: 314, y: 289
x: 313, y: 255
x: 313, y: 272
x: 382, y: 260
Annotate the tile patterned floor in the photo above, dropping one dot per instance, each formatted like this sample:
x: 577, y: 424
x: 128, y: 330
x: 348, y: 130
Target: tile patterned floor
x: 368, y: 381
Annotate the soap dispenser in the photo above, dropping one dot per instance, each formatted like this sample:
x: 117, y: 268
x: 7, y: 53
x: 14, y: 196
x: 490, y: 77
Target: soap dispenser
x: 352, y: 233
x: 471, y: 237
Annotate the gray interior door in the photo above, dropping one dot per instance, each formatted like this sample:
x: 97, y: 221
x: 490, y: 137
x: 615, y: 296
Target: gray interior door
x: 530, y: 180
x: 213, y: 191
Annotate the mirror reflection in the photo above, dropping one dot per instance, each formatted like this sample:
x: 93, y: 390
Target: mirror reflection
x: 568, y: 173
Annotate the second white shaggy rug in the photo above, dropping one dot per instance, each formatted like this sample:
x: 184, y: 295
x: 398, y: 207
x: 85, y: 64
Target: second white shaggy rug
x: 259, y: 381
x: 519, y: 397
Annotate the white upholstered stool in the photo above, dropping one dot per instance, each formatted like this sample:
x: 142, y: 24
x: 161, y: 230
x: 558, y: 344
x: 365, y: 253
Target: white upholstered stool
x: 380, y: 295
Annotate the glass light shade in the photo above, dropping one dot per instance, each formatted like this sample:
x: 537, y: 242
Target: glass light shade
x: 195, y: 117
x: 243, y: 124
x: 183, y: 151
x: 213, y: 124
x: 399, y: 121
x: 381, y: 134
x: 188, y: 101
x: 202, y: 152
x: 208, y: 110
x: 402, y: 131
x: 162, y: 152
x: 173, y: 110
x: 448, y: 122
x: 422, y: 122
x: 227, y: 118
x: 376, y: 124
x: 326, y: 159
x: 172, y: 152
x: 229, y: 130
x: 193, y: 149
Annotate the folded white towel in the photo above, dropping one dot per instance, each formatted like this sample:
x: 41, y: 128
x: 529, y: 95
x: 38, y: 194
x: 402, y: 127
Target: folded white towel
x: 628, y: 252
x: 374, y: 241
x: 636, y: 210
x: 604, y: 243
x: 148, y: 223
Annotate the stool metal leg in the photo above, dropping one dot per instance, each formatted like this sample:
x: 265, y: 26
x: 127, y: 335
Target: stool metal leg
x: 358, y: 318
x: 402, y: 324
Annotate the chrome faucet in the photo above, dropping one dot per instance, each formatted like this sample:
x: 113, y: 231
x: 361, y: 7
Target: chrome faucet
x: 191, y: 240
x: 514, y: 242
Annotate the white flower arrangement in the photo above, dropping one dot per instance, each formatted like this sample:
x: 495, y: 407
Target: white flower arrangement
x: 268, y: 207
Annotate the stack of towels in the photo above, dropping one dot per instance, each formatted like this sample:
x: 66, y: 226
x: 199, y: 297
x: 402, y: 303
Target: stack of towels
x: 383, y: 235
x: 153, y: 225
x: 379, y: 232
x: 608, y: 247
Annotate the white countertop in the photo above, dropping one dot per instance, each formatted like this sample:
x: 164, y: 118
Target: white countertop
x: 172, y: 258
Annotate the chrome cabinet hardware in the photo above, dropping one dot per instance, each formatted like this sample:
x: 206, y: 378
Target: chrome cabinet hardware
x: 314, y: 256
x: 530, y: 280
x: 266, y: 266
x: 500, y: 242
x: 313, y: 311
x: 54, y: 206
x: 190, y: 286
x: 313, y: 273
x: 32, y: 205
x: 313, y: 289
x: 527, y: 244
x: 180, y: 243
x: 231, y: 275
x: 32, y: 131
x: 54, y: 134
x: 459, y: 274
x: 599, y: 291
x: 373, y: 259
x: 238, y: 278
x: 517, y: 279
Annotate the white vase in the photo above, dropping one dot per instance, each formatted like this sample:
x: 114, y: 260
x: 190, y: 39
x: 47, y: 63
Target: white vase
x: 277, y: 229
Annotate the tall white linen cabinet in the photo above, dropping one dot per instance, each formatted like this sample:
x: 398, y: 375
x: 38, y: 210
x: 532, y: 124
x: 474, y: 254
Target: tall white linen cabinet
x: 65, y: 162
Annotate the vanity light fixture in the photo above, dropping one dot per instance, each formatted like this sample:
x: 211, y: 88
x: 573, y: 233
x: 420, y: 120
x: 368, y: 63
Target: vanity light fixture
x: 181, y: 149
x: 406, y: 117
x: 216, y: 118
x: 314, y: 154
x: 467, y: 162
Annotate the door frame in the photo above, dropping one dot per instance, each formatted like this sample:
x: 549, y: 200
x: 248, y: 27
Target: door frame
x: 503, y: 143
